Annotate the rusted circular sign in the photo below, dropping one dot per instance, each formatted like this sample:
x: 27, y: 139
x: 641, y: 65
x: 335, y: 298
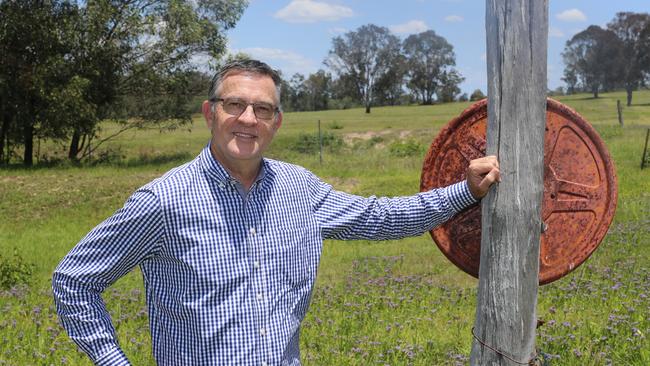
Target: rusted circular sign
x: 580, y: 189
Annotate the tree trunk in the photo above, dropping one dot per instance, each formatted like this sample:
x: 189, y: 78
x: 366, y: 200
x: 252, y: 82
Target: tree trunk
x: 74, y: 145
x: 504, y: 328
x: 367, y: 108
x: 629, y: 91
x: 28, y: 142
x: 4, y: 131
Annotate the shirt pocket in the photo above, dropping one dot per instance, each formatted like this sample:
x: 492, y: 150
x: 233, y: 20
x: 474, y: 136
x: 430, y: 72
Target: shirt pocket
x: 296, y: 253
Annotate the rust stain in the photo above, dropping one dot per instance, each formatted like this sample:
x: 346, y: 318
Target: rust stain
x: 580, y: 189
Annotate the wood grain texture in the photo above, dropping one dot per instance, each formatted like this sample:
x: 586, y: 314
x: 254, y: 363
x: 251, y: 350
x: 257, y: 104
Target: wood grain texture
x: 511, y: 212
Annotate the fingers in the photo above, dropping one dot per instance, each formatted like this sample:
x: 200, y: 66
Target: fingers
x: 489, y: 179
x: 481, y: 174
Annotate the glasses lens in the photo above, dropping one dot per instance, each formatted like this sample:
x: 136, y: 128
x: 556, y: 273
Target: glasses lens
x: 263, y: 110
x: 234, y: 106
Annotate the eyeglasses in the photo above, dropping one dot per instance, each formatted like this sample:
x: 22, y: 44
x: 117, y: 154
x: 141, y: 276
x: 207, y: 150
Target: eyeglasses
x: 236, y: 107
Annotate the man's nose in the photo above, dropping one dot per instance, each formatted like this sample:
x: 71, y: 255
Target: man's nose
x: 248, y: 115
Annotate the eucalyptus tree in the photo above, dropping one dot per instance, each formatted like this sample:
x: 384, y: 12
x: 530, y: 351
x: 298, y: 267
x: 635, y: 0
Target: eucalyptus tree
x: 364, y: 57
x: 594, y: 55
x: 631, y: 30
x: 428, y: 56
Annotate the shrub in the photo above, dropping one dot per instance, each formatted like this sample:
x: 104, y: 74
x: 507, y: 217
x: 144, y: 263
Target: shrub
x: 308, y: 143
x: 334, y: 125
x: 14, y: 271
x: 405, y: 148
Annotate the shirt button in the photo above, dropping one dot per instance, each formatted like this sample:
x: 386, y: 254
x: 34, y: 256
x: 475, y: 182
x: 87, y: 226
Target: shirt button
x: 252, y: 230
x: 256, y: 264
x: 263, y: 331
x: 259, y: 296
x: 264, y: 363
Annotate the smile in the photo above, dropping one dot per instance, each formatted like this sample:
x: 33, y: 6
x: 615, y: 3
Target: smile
x: 244, y: 135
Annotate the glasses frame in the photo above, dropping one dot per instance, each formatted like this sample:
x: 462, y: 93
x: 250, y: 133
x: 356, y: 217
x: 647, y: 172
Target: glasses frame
x: 276, y: 109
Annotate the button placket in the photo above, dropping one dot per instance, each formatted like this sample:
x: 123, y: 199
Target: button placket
x: 258, y: 272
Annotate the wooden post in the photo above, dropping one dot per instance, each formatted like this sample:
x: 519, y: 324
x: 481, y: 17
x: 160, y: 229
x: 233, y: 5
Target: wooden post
x: 645, y: 148
x: 504, y: 329
x: 619, y: 109
x: 320, y: 144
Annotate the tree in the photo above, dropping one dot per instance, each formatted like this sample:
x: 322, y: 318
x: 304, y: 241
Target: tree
x: 76, y: 64
x: 151, y: 43
x: 449, y: 89
x: 476, y: 95
x: 318, y: 87
x: 594, y: 55
x: 298, y: 95
x: 645, y: 51
x: 629, y: 28
x: 363, y: 57
x: 33, y: 36
x: 571, y: 79
x: 429, y: 56
x: 389, y: 88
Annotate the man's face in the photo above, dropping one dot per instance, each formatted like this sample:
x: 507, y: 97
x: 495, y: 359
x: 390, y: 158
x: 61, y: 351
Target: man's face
x: 240, y: 140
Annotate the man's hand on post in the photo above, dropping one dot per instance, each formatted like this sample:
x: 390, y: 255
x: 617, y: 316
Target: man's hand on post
x: 481, y: 174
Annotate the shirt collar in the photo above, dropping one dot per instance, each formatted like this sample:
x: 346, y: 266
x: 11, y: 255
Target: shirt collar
x: 216, y: 171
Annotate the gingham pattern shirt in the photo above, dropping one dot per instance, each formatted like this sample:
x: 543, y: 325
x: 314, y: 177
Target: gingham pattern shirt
x: 228, y: 278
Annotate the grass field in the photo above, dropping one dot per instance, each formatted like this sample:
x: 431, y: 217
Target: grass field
x: 375, y: 303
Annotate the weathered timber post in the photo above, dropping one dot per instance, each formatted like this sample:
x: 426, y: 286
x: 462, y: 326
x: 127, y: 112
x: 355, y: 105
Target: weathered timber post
x: 619, y: 109
x: 504, y: 329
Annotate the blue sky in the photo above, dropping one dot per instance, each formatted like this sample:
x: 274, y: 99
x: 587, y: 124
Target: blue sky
x: 296, y: 35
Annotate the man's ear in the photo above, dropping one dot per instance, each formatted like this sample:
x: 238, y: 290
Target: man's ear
x: 278, y: 121
x: 206, y: 108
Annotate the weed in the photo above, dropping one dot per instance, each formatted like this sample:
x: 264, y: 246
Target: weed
x: 407, y: 148
x: 308, y: 143
x: 334, y: 125
x: 14, y: 271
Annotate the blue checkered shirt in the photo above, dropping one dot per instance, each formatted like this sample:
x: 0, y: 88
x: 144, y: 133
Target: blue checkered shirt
x: 228, y: 277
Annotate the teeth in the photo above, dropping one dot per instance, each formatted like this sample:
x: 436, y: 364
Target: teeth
x: 245, y: 135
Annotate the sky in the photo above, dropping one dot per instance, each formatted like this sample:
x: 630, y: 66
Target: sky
x: 295, y: 36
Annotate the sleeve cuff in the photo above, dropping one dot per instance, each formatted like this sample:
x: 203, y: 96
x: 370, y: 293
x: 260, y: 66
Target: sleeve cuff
x: 460, y: 197
x: 114, y: 357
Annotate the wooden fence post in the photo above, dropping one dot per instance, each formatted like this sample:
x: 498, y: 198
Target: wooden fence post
x: 504, y: 329
x: 645, y: 148
x: 619, y: 109
x: 320, y: 144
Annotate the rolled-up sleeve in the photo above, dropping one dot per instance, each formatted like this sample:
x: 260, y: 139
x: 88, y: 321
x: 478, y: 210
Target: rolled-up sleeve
x: 134, y: 233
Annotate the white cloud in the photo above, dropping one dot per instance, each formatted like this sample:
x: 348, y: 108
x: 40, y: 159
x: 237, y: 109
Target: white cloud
x: 289, y: 62
x: 453, y: 18
x: 555, y: 32
x: 309, y: 11
x: 410, y: 27
x: 571, y: 15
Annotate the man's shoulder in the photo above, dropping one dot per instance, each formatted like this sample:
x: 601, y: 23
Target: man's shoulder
x: 174, y: 179
x: 288, y: 170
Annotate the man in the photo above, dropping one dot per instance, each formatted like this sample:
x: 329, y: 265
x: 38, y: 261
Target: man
x: 229, y: 243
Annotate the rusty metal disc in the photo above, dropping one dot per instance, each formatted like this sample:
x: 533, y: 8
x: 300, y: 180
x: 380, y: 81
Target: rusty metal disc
x: 580, y: 189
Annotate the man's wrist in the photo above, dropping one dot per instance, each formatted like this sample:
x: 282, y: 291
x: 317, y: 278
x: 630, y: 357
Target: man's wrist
x: 460, y: 196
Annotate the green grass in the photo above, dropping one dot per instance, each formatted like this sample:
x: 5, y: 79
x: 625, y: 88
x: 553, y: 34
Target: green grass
x: 397, y: 302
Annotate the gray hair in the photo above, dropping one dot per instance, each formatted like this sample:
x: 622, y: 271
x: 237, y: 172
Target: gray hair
x: 250, y: 66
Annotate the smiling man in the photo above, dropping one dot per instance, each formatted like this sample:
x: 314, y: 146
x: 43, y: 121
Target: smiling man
x: 230, y: 242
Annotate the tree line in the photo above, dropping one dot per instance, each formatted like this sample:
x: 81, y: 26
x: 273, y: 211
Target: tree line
x: 370, y: 66
x: 604, y: 59
x: 67, y: 65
